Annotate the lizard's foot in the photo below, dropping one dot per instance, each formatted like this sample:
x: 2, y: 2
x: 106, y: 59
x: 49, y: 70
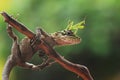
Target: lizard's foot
x: 45, y: 58
x: 45, y: 64
x: 42, y: 55
x: 46, y: 61
x: 36, y: 40
x: 10, y: 32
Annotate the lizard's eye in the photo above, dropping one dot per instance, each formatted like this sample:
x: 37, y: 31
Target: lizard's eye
x: 69, y: 32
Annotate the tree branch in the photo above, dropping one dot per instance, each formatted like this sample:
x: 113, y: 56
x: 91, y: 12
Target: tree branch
x: 80, y: 70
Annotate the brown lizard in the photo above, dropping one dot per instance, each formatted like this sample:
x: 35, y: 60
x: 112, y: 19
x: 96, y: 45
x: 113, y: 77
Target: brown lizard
x: 21, y: 53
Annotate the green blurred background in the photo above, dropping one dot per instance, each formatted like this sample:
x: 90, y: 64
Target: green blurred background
x: 100, y: 46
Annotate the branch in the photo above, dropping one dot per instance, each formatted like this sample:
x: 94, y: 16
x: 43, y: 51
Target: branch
x: 20, y: 27
x: 80, y: 70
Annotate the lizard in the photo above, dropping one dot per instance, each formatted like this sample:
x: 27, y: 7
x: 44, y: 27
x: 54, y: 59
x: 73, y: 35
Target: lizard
x: 22, y: 52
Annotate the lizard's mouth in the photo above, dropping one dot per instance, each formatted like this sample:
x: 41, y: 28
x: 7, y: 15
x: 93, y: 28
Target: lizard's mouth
x: 71, y: 40
x: 67, y: 40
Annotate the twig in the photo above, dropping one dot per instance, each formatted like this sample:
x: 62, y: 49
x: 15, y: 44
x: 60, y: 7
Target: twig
x: 80, y: 70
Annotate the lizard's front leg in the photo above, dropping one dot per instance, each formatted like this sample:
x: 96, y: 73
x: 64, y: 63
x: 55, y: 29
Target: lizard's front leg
x: 34, y: 42
x: 16, y: 55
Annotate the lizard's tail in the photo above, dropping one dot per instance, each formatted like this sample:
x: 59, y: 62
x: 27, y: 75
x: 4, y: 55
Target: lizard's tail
x: 10, y: 63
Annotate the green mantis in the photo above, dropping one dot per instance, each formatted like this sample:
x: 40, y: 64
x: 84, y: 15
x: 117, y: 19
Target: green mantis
x: 75, y: 27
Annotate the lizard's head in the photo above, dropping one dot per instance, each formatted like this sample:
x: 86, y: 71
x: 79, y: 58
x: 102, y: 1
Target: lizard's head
x: 68, y: 36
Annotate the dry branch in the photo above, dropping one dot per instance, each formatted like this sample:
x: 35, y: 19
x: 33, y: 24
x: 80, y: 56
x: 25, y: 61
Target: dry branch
x: 80, y: 70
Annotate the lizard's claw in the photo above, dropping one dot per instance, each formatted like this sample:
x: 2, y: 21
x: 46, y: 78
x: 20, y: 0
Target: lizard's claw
x: 45, y: 64
x: 36, y: 68
x: 36, y: 39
